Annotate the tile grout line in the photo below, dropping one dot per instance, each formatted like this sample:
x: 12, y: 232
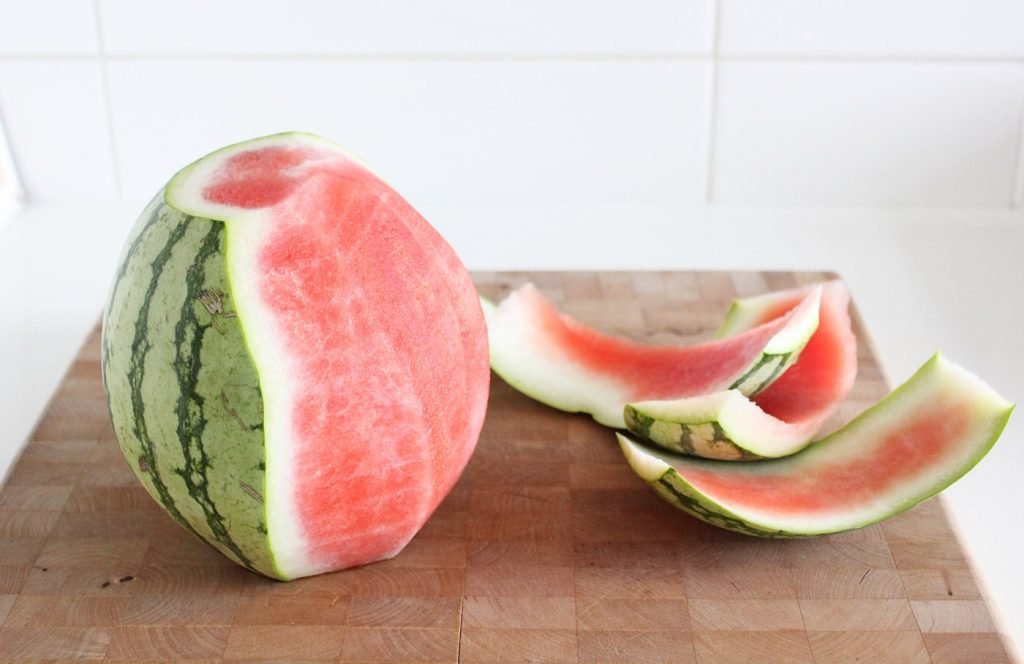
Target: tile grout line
x: 378, y: 56
x: 709, y: 165
x: 525, y: 56
x: 869, y: 58
x: 105, y: 79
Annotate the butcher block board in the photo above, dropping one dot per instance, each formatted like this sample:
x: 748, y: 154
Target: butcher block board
x: 548, y: 550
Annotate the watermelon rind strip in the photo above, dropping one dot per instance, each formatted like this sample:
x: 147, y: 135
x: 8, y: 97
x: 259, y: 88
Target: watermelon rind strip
x: 783, y: 350
x: 727, y: 425
x: 747, y: 312
x: 724, y: 425
x: 667, y: 473
x: 559, y: 383
x: 545, y: 381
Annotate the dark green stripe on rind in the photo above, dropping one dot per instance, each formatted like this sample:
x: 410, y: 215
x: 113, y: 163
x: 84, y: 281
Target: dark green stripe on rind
x: 638, y: 422
x: 754, y: 368
x: 183, y: 393
x: 151, y: 214
x: 188, y: 339
x: 783, y: 364
x: 756, y: 378
x: 140, y: 347
x: 677, y: 493
x: 700, y: 439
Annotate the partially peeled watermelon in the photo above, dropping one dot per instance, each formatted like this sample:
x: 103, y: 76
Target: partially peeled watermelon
x: 295, y: 362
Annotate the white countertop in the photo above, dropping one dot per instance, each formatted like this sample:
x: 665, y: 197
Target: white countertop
x: 922, y: 280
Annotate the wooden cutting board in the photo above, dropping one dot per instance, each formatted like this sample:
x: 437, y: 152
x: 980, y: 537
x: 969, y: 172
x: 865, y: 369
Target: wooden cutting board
x: 548, y: 549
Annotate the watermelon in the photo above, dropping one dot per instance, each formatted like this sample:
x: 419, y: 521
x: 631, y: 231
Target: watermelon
x: 562, y: 363
x: 781, y: 419
x: 295, y: 362
x: 911, y: 445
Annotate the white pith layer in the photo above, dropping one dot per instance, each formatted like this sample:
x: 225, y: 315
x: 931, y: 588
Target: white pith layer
x: 274, y: 365
x: 247, y: 231
x: 185, y: 190
x: 937, y: 382
x: 803, y: 321
x: 529, y: 364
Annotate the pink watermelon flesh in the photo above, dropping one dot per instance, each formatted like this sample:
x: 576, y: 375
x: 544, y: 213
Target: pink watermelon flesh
x: 811, y: 390
x: 561, y: 362
x: 648, y: 369
x: 380, y: 333
x: 922, y: 441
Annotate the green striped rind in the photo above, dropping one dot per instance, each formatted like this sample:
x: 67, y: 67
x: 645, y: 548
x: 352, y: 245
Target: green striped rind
x: 766, y: 369
x: 784, y: 349
x: 183, y: 394
x: 667, y: 474
x: 723, y: 425
x: 671, y: 487
x: 701, y: 437
x: 668, y: 484
x: 727, y: 425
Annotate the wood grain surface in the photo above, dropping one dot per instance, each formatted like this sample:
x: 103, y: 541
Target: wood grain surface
x: 548, y: 550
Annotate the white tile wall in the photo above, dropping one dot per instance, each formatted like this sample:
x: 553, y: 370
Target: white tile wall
x: 55, y: 113
x: 408, y: 27
x: 868, y: 133
x: 47, y: 27
x: 875, y: 28
x: 823, y: 102
x: 496, y: 132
